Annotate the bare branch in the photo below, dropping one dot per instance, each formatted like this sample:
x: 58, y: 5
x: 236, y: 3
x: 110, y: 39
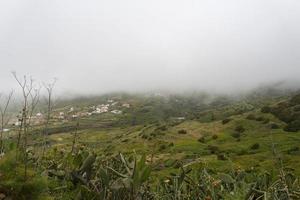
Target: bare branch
x: 4, y: 119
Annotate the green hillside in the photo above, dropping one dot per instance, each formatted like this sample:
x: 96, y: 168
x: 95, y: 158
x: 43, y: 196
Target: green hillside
x: 196, y: 147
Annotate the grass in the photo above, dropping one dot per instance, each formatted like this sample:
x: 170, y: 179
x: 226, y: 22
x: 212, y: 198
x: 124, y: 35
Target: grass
x: 14, y: 183
x: 239, y: 152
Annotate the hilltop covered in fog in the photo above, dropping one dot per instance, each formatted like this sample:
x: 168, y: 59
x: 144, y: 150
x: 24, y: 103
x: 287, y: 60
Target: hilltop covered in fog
x: 134, y: 46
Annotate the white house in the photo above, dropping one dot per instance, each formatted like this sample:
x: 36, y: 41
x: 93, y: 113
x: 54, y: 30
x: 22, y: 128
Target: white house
x: 74, y: 116
x: 126, y: 105
x: 17, y: 123
x: 114, y: 103
x: 116, y: 112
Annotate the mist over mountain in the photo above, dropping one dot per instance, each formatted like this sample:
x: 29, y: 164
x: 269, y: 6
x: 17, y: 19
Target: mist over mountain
x: 136, y: 46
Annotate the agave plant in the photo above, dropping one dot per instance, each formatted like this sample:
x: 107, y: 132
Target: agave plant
x: 177, y: 186
x: 135, y: 175
x: 285, y: 187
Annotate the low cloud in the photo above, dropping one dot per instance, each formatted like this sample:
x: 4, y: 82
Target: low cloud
x: 103, y: 46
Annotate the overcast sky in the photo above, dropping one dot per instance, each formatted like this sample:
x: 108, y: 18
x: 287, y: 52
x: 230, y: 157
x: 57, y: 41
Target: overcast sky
x: 108, y: 45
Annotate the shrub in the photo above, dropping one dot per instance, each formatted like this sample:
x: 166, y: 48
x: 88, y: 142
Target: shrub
x: 162, y: 147
x: 265, y: 109
x: 214, y: 137
x: 293, y: 126
x: 266, y: 120
x: 283, y: 111
x: 260, y: 119
x: 293, y: 150
x: 225, y: 121
x: 221, y: 156
x: 295, y: 100
x: 236, y: 135
x: 240, y: 129
x: 159, y: 133
x: 242, y: 152
x: 255, y: 146
x: 201, y: 139
x: 163, y: 128
x: 251, y: 117
x: 213, y: 149
x: 171, y: 144
x: 297, y: 108
x: 182, y: 131
x: 274, y: 126
x: 144, y: 136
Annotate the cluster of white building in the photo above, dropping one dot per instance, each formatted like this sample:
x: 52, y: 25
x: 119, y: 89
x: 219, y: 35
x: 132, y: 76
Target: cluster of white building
x: 103, y: 108
x: 99, y: 109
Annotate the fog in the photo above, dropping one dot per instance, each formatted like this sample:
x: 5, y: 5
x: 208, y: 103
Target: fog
x: 96, y: 46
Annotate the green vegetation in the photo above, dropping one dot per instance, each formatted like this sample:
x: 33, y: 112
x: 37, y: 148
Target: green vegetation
x: 159, y: 148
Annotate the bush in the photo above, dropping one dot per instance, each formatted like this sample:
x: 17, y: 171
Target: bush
x: 163, y: 128
x: 260, y: 119
x: 171, y: 144
x: 240, y: 129
x: 182, y: 131
x: 225, y: 121
x: 221, y: 156
x: 162, y: 147
x: 255, y: 146
x: 251, y: 117
x: 201, y: 139
x: 265, y: 109
x: 284, y: 112
x: 213, y: 149
x: 274, y: 126
x: 297, y: 108
x: 145, y: 136
x: 295, y: 100
x: 242, y: 152
x: 266, y: 120
x: 293, y: 126
x: 293, y: 150
x: 236, y: 135
x: 214, y: 137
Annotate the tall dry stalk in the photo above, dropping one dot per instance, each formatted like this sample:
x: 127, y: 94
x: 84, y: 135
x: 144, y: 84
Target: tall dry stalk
x: 29, y: 103
x: 4, y: 118
x: 75, y: 137
x: 49, y: 100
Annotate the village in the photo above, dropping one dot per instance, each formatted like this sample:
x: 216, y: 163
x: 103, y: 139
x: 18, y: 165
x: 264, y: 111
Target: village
x: 70, y: 113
